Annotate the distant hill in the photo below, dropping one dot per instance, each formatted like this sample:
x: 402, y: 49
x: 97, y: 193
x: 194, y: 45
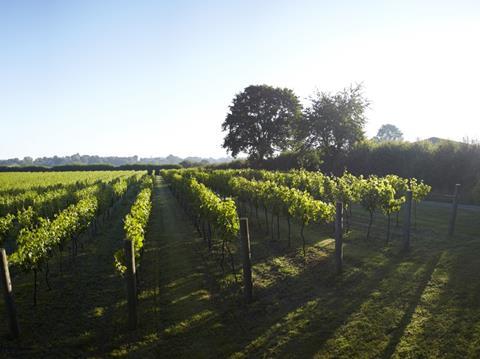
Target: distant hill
x: 78, y: 159
x: 437, y: 140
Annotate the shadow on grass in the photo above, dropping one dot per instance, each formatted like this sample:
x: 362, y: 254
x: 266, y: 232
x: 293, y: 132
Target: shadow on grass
x: 79, y: 314
x: 445, y: 323
x: 177, y: 312
x: 302, y: 309
x: 399, y: 331
x: 189, y: 308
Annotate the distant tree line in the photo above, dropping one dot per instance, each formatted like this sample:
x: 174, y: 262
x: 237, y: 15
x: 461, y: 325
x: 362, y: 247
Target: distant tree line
x: 271, y: 126
x: 94, y: 167
x: 78, y: 159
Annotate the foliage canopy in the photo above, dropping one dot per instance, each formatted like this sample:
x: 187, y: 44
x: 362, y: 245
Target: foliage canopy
x: 260, y: 121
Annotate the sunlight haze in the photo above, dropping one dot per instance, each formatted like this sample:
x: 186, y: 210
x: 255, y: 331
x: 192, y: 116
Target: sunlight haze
x: 156, y: 78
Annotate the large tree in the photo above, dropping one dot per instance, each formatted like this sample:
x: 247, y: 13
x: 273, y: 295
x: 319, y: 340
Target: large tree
x: 389, y: 132
x: 260, y: 121
x: 334, y: 123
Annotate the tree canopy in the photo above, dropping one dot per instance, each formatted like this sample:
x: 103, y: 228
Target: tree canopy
x: 388, y: 132
x: 334, y: 123
x: 260, y: 121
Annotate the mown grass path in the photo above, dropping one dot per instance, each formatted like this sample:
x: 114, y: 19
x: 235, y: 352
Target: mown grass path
x: 178, y: 317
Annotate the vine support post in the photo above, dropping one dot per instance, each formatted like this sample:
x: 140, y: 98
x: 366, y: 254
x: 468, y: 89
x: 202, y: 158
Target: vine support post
x: 247, y: 260
x: 406, y: 224
x: 266, y: 219
x: 278, y: 227
x: 131, y: 282
x: 453, y: 216
x: 204, y: 233
x: 34, y: 287
x: 271, y: 222
x: 289, y: 231
x: 209, y: 236
x: 8, y: 295
x: 339, y: 237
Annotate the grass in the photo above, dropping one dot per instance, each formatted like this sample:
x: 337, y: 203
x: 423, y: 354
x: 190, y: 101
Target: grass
x: 85, y: 306
x: 420, y: 304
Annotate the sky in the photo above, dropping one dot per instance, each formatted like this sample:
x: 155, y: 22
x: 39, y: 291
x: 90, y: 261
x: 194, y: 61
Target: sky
x: 152, y: 78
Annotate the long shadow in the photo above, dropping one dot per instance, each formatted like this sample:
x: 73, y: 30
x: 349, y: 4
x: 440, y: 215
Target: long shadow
x: 291, y: 296
x: 311, y: 289
x: 407, y: 317
x: 177, y: 311
x: 277, y: 302
x: 463, y: 292
x: 450, y: 312
x: 263, y: 249
x: 337, y: 307
x: 76, y: 316
x: 257, y: 321
x: 122, y: 340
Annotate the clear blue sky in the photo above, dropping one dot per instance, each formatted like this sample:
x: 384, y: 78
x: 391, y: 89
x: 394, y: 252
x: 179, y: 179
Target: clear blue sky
x: 151, y: 78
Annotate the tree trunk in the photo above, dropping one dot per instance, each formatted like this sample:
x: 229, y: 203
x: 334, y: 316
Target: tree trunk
x: 414, y: 214
x: 278, y: 227
x: 60, y: 262
x: 232, y: 263
x: 204, y: 234
x: 266, y: 219
x: 47, y: 272
x: 289, y: 232
x: 369, y: 225
x: 388, y: 227
x: 197, y: 225
x: 347, y: 218
x: 303, y: 239
x: 223, y: 256
x: 209, y: 240
x: 34, y: 287
x: 247, y: 260
x: 271, y: 223
x: 339, y: 236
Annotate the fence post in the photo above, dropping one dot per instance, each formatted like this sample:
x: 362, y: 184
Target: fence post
x: 453, y: 218
x: 247, y: 260
x: 406, y: 224
x: 8, y: 295
x: 339, y: 236
x: 131, y: 284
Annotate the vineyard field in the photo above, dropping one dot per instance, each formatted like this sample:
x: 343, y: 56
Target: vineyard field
x: 64, y: 237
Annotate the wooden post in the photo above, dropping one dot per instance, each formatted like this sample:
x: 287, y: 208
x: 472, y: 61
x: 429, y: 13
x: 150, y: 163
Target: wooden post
x: 453, y: 218
x: 131, y: 284
x: 339, y: 237
x: 8, y: 295
x: 209, y: 237
x: 247, y: 260
x: 406, y: 224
